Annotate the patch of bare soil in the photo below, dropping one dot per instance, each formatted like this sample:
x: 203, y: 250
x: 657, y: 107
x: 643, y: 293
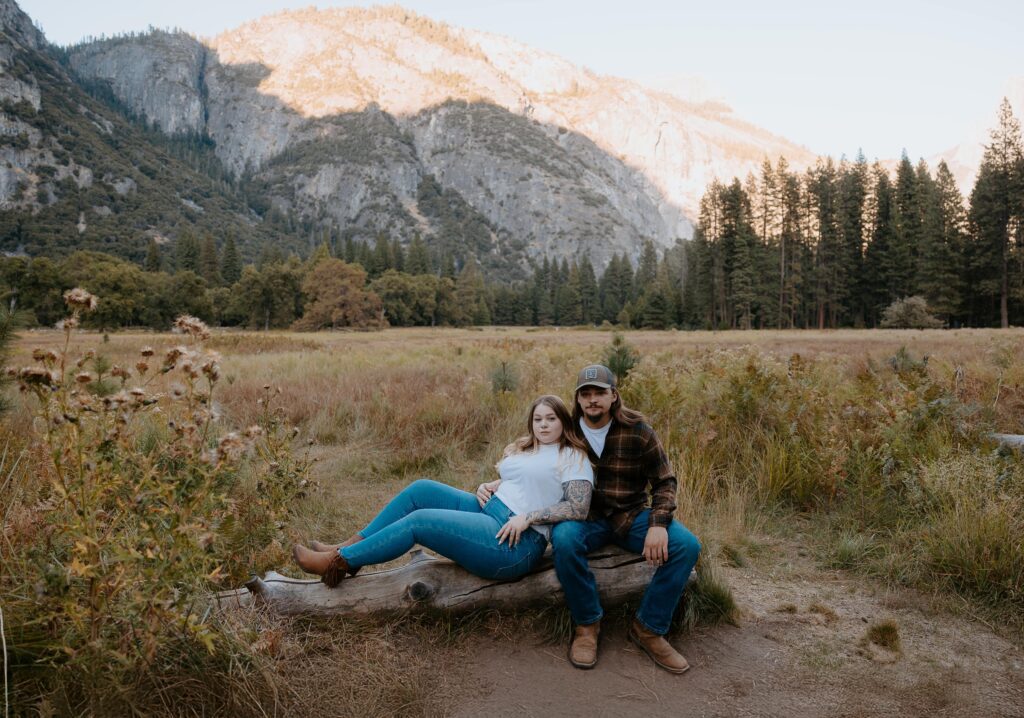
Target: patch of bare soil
x: 801, y: 649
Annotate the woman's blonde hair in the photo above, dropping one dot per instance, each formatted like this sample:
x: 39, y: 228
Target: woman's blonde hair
x: 570, y: 434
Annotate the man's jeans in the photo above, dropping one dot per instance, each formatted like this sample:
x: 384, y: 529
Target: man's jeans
x: 571, y: 541
x: 450, y: 522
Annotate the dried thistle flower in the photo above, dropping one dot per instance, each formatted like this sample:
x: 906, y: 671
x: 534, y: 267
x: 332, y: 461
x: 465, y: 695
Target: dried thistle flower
x: 47, y: 356
x: 211, y: 368
x: 192, y: 326
x: 146, y: 351
x: 83, y: 377
x: 230, y: 446
x: 173, y: 355
x: 79, y: 299
x: 38, y: 376
x: 253, y: 431
x: 67, y: 324
x: 141, y: 367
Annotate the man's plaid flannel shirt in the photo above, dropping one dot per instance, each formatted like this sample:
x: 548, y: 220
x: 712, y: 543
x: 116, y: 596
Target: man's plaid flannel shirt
x: 633, y: 457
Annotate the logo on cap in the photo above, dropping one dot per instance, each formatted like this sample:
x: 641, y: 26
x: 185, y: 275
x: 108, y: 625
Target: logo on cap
x: 591, y: 372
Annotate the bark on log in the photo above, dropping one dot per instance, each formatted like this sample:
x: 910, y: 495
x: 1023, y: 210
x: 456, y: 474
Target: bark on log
x: 1013, y: 441
x: 426, y: 582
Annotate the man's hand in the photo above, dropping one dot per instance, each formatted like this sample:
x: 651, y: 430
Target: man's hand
x: 656, y: 545
x: 513, y: 530
x: 485, y: 491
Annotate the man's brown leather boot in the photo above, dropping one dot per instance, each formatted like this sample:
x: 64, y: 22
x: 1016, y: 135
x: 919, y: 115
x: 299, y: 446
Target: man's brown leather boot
x: 583, y: 649
x: 660, y: 650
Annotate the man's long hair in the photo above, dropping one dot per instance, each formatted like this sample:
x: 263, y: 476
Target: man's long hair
x: 619, y: 412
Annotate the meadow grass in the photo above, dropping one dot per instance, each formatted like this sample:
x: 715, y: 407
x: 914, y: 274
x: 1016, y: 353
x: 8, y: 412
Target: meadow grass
x: 879, y: 449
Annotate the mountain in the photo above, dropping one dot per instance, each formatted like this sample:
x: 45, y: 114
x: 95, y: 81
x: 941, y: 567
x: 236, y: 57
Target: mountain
x: 346, y: 118
x: 75, y: 173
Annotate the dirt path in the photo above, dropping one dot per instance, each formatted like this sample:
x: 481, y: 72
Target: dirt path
x: 798, y: 651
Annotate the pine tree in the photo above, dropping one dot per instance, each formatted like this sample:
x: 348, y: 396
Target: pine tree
x: 209, y: 263
x: 828, y: 277
x: 647, y: 270
x: 881, y: 285
x: 349, y: 251
x: 997, y: 212
x: 543, y: 311
x: 588, y: 291
x: 906, y: 229
x: 448, y: 265
x: 187, y: 252
x: 382, y: 259
x: 154, y: 262
x: 398, y: 255
x: 943, y: 288
x: 319, y: 254
x: 569, y: 301
x: 657, y: 311
x: 418, y: 261
x: 230, y: 262
x: 792, y: 248
x: 471, y: 296
x: 853, y: 193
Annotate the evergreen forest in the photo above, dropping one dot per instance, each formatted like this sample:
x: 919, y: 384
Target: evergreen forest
x: 834, y: 246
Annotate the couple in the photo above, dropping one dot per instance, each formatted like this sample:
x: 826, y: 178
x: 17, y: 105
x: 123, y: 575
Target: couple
x: 600, y: 476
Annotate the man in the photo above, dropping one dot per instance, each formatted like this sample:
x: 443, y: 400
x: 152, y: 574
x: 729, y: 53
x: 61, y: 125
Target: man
x: 632, y: 506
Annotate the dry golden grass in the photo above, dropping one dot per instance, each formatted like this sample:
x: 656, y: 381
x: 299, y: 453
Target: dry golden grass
x: 380, y: 409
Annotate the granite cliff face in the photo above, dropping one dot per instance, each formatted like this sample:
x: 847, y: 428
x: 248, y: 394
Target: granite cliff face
x: 161, y: 79
x: 344, y: 112
x: 76, y: 174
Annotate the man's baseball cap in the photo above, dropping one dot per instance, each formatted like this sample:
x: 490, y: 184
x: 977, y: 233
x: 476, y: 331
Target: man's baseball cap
x: 595, y: 375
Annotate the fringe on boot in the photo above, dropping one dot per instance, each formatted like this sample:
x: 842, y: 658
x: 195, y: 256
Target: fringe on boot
x: 336, y: 571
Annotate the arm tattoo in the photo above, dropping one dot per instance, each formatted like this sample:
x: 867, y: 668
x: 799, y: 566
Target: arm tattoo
x: 574, y: 505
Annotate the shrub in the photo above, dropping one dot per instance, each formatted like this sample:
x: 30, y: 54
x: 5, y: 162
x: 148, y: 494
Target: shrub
x: 909, y: 313
x: 7, y: 327
x: 885, y: 634
x: 620, y: 357
x: 142, y: 507
x: 504, y: 379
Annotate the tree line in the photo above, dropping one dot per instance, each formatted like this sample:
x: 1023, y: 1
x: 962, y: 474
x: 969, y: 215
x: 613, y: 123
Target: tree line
x: 831, y: 247
x: 835, y: 246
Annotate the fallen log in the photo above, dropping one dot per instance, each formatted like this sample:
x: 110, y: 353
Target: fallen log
x: 427, y: 582
x: 1013, y: 441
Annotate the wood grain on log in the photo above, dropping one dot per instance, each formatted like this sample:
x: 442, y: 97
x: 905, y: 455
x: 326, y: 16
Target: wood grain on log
x: 426, y: 582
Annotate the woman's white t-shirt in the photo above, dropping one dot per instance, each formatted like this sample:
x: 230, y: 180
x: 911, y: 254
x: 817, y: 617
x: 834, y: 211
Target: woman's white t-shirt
x: 532, y: 479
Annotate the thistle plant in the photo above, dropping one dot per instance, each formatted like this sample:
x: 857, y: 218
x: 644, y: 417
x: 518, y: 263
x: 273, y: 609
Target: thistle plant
x: 149, y: 505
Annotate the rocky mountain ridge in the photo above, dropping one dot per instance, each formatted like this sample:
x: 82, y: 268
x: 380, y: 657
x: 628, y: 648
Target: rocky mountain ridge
x: 557, y: 159
x: 76, y: 174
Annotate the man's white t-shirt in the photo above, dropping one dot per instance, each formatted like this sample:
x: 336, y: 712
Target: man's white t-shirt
x: 532, y: 479
x: 595, y: 437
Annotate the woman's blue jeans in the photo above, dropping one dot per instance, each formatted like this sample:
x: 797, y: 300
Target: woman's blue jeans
x: 571, y: 541
x: 450, y: 522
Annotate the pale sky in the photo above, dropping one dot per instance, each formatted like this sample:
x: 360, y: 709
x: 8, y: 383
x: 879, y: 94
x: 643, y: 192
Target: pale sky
x: 919, y: 75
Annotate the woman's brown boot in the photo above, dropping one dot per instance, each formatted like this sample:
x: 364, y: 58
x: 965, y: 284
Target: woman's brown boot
x: 336, y: 571
x: 317, y: 546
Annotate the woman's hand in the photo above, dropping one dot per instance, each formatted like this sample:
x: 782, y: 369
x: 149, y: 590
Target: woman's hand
x: 485, y: 491
x: 513, y: 530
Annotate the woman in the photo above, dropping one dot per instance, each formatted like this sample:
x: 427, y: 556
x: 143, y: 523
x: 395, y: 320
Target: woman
x: 499, y: 533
